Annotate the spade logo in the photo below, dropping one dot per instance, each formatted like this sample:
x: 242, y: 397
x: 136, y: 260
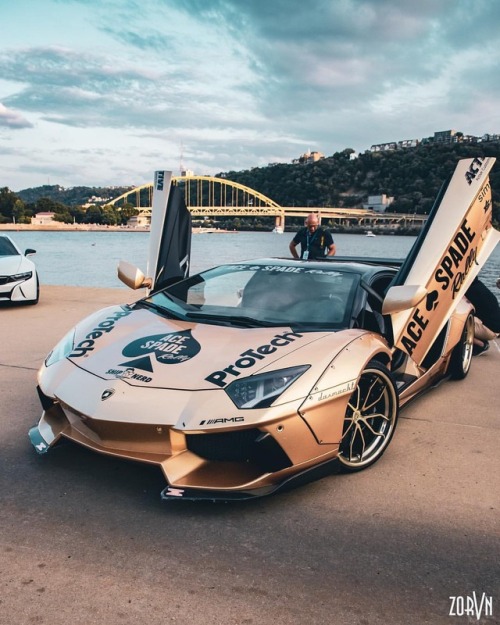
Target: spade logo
x: 168, y: 349
x: 431, y: 301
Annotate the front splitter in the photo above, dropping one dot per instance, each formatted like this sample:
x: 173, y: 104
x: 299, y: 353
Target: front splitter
x: 178, y: 493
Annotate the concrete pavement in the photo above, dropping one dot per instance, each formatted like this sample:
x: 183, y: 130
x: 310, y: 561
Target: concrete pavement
x: 85, y: 539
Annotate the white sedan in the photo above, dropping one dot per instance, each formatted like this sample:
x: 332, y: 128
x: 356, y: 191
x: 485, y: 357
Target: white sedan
x: 18, y: 277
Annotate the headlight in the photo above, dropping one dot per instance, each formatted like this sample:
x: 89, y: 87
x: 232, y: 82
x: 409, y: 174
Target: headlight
x: 260, y: 391
x: 62, y: 349
x: 21, y: 276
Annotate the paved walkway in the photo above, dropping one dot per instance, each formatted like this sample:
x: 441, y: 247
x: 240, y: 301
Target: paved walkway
x: 85, y: 539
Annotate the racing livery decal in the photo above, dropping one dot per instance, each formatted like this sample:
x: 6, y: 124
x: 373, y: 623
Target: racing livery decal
x: 106, y: 325
x: 250, y: 357
x: 449, y: 258
x: 159, y: 180
x: 169, y: 349
x: 335, y: 391
x: 128, y: 374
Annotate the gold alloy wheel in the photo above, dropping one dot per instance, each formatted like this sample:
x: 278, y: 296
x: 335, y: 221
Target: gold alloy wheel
x: 370, y: 419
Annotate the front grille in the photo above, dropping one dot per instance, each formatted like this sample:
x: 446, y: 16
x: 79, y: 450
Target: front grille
x: 249, y: 446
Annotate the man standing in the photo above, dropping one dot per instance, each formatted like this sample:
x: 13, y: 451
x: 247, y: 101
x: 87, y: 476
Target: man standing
x: 315, y: 242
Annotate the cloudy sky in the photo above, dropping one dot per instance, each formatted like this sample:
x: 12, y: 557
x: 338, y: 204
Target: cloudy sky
x: 104, y: 92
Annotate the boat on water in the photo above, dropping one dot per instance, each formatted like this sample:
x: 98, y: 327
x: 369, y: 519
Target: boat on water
x: 370, y: 234
x: 278, y: 230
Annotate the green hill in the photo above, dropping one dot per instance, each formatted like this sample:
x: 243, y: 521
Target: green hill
x: 73, y: 196
x: 413, y: 176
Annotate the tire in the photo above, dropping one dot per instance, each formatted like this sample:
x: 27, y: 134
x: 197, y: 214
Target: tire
x: 461, y: 356
x: 371, y: 418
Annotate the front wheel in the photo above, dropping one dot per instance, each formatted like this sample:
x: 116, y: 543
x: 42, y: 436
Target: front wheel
x: 461, y: 356
x: 370, y: 420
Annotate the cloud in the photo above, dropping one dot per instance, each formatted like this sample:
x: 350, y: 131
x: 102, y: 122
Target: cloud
x: 79, y: 89
x: 241, y: 83
x: 345, y: 52
x: 11, y: 119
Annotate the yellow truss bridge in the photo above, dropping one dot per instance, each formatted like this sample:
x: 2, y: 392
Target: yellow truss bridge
x: 209, y: 196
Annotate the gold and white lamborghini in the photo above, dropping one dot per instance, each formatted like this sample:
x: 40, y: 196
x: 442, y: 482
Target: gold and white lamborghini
x: 245, y: 378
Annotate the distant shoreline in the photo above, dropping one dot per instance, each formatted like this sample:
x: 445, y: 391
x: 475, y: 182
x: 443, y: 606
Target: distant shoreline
x: 61, y: 227
x: 98, y: 228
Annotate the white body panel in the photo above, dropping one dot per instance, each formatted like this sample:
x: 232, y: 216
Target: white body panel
x: 22, y: 290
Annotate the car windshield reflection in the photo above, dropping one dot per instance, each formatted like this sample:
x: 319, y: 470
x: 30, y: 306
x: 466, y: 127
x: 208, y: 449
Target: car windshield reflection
x: 7, y: 248
x: 257, y: 295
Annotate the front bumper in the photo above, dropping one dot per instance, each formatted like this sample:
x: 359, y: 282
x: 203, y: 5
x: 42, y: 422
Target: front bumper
x: 17, y: 291
x: 235, y: 464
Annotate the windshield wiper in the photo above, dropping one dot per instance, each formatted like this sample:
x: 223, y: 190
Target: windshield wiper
x: 236, y: 320
x: 159, y: 309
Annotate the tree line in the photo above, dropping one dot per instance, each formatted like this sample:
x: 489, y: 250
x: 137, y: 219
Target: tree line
x: 413, y: 176
x: 13, y: 209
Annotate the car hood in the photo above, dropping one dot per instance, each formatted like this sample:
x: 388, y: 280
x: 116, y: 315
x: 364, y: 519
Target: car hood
x: 146, y: 349
x: 10, y: 265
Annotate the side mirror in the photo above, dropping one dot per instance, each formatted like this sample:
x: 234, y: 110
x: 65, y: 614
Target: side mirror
x: 404, y: 297
x: 29, y: 252
x: 131, y: 276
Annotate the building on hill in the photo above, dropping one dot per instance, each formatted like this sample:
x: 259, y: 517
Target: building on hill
x: 378, y: 203
x: 488, y: 137
x: 447, y: 136
x: 43, y: 219
x: 394, y: 145
x: 95, y: 199
x: 308, y: 157
x: 440, y: 137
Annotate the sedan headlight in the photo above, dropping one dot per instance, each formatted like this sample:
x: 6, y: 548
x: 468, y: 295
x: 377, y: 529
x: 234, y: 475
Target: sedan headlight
x: 260, y: 391
x: 62, y: 349
x: 21, y: 276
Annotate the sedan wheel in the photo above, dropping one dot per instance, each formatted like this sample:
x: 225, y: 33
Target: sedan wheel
x: 370, y: 420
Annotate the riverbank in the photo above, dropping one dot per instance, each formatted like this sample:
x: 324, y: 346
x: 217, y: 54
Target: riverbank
x: 61, y: 227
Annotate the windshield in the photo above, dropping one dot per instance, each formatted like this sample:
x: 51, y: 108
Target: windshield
x: 256, y: 295
x: 6, y: 248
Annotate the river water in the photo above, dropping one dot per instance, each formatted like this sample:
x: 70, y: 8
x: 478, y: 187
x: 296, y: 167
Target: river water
x: 90, y: 258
